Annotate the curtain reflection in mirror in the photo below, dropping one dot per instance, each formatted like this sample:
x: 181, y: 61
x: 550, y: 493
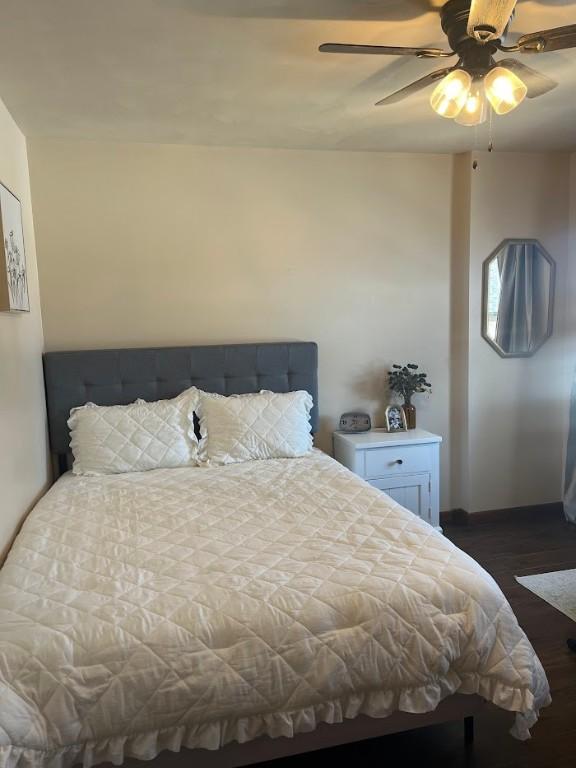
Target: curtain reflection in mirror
x: 570, y: 482
x: 523, y: 308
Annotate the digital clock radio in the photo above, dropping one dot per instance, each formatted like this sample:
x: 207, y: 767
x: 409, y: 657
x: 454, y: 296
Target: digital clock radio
x: 355, y: 421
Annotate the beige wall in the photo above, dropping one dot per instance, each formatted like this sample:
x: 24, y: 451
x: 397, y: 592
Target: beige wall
x: 23, y: 464
x: 376, y: 257
x: 515, y: 425
x: 460, y: 332
x: 149, y: 244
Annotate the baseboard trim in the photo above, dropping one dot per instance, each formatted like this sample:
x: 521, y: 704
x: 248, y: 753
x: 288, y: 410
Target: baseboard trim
x: 462, y: 517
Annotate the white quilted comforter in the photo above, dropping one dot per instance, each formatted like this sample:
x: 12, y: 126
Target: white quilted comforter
x: 196, y: 606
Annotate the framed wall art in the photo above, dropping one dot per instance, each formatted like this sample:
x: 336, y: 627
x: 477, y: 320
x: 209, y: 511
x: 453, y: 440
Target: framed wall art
x: 13, y: 275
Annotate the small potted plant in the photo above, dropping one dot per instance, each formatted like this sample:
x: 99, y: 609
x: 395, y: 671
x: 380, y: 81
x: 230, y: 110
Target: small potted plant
x: 407, y: 382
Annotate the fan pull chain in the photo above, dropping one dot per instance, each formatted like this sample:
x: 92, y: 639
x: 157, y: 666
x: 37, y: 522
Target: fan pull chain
x: 477, y: 130
x: 475, y: 148
x: 490, y: 138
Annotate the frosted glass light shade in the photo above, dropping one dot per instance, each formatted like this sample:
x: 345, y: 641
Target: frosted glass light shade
x: 504, y: 89
x: 475, y: 109
x: 450, y: 94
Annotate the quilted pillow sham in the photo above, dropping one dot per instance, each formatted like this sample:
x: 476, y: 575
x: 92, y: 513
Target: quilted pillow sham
x: 134, y: 438
x: 267, y: 425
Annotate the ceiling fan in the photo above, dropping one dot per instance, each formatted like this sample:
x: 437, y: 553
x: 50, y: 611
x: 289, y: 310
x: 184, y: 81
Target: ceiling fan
x: 475, y: 30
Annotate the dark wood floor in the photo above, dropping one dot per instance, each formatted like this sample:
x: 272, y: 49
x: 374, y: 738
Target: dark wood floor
x: 533, y: 543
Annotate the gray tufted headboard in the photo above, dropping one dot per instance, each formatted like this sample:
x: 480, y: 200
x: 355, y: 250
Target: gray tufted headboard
x: 119, y: 376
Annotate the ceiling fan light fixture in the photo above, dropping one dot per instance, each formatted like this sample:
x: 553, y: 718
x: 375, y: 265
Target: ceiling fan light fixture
x: 449, y: 96
x: 504, y: 89
x: 475, y: 110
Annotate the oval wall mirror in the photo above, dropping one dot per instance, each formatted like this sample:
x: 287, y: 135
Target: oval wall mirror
x: 518, y: 298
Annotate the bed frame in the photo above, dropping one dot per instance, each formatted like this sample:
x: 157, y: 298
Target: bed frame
x: 118, y: 377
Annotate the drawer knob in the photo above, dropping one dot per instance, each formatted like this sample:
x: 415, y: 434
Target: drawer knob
x: 399, y: 461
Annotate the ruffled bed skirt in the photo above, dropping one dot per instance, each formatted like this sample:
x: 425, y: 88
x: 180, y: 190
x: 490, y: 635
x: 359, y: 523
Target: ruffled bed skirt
x: 215, y: 734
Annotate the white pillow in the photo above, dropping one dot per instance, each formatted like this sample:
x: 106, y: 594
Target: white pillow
x: 134, y: 438
x: 268, y: 425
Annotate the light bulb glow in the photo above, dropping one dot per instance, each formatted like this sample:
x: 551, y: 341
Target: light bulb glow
x: 449, y: 96
x: 504, y: 89
x: 475, y: 110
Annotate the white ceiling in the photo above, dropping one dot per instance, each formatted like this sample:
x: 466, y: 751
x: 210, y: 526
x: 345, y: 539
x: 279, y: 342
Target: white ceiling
x: 247, y: 72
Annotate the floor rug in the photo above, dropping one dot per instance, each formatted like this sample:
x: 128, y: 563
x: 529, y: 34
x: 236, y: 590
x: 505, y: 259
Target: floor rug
x: 557, y: 588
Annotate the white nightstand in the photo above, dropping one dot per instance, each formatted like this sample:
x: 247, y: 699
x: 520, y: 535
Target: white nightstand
x: 405, y: 465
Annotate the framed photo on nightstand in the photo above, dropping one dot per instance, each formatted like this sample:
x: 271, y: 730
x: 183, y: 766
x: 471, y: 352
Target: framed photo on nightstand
x: 395, y: 419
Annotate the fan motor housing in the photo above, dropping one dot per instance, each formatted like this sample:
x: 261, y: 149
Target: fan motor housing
x: 454, y: 19
x: 476, y: 56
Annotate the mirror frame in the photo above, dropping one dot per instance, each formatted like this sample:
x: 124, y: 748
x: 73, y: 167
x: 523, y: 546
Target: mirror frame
x: 484, y: 313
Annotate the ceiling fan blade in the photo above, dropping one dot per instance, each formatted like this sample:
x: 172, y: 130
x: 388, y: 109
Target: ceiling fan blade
x: 417, y: 85
x: 548, y: 40
x: 537, y: 83
x: 385, y: 50
x: 488, y: 18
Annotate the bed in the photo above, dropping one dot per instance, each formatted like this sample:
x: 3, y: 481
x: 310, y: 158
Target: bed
x: 245, y: 612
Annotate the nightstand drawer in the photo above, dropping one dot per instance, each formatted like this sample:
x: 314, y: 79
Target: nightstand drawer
x: 409, y: 459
